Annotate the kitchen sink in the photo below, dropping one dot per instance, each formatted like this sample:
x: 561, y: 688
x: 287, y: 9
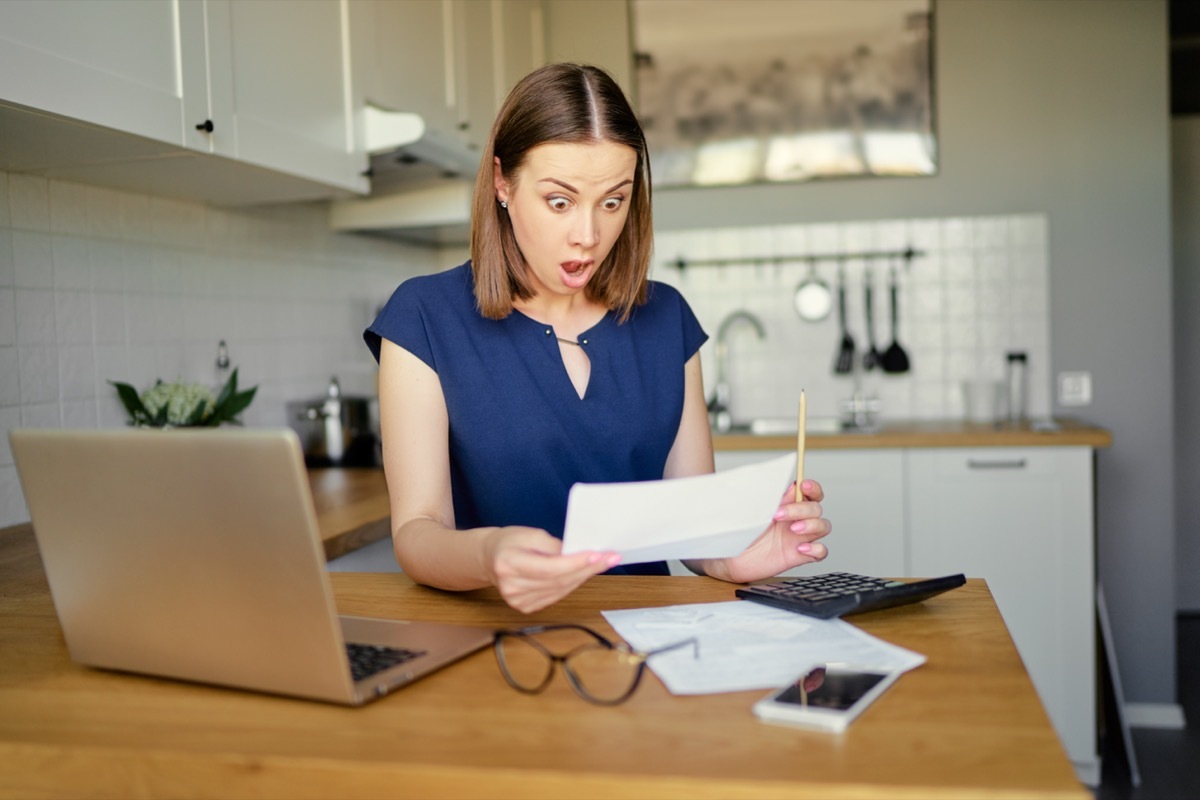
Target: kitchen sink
x: 786, y: 426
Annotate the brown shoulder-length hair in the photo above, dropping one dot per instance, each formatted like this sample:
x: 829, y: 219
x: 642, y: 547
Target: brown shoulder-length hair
x: 559, y: 103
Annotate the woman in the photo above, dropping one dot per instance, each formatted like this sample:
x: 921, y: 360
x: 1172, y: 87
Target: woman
x: 549, y: 359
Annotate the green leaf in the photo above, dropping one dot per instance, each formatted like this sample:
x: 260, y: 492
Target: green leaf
x: 132, y: 402
x: 237, y: 404
x: 160, y: 419
x: 196, y: 418
x: 228, y: 390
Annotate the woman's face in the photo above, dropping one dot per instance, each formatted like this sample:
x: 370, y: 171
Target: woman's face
x: 568, y: 206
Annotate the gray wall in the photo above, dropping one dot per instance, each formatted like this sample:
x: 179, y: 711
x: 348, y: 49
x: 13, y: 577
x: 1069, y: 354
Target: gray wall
x: 1185, y: 185
x: 1058, y: 108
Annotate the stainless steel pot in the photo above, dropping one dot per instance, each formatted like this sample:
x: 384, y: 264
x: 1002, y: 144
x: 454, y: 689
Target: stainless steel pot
x: 336, y: 430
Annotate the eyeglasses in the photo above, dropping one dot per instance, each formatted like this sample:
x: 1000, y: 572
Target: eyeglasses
x: 599, y: 670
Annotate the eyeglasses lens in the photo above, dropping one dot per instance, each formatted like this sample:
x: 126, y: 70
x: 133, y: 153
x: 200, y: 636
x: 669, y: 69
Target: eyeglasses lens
x: 603, y: 673
x: 527, y: 666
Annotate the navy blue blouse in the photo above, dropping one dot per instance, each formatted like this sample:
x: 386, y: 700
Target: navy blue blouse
x: 520, y: 435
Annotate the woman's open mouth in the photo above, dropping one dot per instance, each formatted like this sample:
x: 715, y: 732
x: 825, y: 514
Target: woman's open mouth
x: 575, y: 274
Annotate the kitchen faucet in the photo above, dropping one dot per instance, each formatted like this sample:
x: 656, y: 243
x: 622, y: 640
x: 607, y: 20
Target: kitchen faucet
x: 720, y: 414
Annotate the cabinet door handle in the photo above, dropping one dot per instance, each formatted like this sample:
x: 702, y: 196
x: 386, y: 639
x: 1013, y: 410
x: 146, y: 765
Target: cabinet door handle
x: 206, y: 126
x: 1013, y: 463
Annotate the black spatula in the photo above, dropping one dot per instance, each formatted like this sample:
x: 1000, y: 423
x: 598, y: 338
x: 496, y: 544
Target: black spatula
x: 844, y: 362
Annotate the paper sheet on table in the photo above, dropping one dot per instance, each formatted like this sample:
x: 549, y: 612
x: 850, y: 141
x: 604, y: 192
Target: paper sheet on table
x: 745, y: 645
x: 706, y: 516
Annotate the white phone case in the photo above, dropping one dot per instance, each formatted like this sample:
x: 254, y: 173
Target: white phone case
x: 826, y: 698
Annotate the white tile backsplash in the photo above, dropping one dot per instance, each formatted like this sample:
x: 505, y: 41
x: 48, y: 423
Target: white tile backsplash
x: 73, y: 318
x: 8, y: 317
x: 33, y: 262
x: 35, y: 317
x: 10, y: 378
x: 29, y: 202
x: 68, y: 208
x: 99, y: 285
x: 8, y: 269
x: 11, y: 498
x: 978, y: 289
x: 38, y: 374
x: 5, y: 217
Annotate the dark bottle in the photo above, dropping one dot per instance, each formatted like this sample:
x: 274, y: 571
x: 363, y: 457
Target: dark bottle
x: 1018, y: 386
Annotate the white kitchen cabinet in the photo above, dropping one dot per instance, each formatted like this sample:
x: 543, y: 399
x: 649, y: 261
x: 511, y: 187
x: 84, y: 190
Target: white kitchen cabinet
x: 409, y: 57
x: 520, y: 43
x: 272, y: 80
x: 279, y: 88
x: 115, y: 63
x: 864, y: 501
x: 479, y: 28
x: 450, y: 61
x: 1021, y: 518
x: 588, y: 32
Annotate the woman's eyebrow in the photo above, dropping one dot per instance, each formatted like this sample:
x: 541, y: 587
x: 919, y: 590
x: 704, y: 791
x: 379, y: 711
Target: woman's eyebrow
x: 571, y: 188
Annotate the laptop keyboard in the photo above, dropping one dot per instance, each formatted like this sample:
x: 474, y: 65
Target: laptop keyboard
x: 368, y: 659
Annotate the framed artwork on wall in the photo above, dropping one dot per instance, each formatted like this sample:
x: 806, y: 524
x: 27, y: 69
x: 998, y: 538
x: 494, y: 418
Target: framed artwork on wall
x: 765, y: 91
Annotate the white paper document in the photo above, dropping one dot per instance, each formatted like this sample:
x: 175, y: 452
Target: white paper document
x: 745, y: 645
x: 706, y: 516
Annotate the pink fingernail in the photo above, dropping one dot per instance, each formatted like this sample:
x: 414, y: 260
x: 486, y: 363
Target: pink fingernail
x: 779, y: 514
x: 804, y: 548
x: 797, y: 527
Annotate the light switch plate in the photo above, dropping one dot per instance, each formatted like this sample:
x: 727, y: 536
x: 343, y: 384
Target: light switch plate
x: 1075, y: 388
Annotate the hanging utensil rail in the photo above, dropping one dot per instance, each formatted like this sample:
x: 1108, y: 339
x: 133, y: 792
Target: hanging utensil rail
x: 682, y: 263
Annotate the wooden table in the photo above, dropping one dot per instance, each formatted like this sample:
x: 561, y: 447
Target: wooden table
x: 966, y: 724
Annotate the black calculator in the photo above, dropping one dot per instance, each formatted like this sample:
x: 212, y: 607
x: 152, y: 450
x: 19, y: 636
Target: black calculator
x: 839, y: 594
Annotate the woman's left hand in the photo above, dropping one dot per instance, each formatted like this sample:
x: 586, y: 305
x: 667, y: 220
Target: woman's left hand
x: 791, y: 540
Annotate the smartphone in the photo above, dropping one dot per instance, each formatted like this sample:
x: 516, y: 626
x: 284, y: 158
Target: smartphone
x: 826, y: 698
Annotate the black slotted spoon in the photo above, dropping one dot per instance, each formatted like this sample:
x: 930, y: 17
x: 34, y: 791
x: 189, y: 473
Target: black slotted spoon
x: 872, y: 358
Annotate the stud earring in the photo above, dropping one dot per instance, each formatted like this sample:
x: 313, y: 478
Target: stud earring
x: 504, y: 204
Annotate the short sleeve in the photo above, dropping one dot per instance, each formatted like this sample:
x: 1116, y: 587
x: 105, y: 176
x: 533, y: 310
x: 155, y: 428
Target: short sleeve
x: 402, y: 321
x: 693, y: 335
x: 671, y: 310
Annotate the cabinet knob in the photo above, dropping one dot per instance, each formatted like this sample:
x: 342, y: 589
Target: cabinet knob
x: 206, y: 126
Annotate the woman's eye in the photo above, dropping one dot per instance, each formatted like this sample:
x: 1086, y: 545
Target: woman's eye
x: 559, y: 203
x: 613, y: 203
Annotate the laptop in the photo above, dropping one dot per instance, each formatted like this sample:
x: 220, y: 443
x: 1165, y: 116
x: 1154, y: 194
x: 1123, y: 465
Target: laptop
x: 196, y: 555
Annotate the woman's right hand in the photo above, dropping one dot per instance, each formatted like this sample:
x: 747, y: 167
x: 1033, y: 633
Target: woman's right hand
x: 528, y: 568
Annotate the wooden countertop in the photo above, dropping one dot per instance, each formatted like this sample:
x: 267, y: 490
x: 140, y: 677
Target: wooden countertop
x: 929, y: 433
x: 965, y: 724
x: 352, y: 507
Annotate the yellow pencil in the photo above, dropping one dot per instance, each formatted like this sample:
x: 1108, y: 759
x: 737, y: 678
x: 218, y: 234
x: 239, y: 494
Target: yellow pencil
x: 800, y: 449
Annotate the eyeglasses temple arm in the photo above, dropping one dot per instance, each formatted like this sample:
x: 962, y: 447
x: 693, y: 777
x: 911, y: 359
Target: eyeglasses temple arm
x: 695, y: 643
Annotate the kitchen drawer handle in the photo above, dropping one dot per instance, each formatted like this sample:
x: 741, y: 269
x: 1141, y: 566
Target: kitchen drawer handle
x: 1014, y: 463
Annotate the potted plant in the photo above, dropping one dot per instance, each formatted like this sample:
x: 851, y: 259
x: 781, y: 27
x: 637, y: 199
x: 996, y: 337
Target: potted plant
x: 184, y: 405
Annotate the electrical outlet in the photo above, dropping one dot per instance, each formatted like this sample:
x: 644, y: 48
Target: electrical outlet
x: 1075, y: 388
